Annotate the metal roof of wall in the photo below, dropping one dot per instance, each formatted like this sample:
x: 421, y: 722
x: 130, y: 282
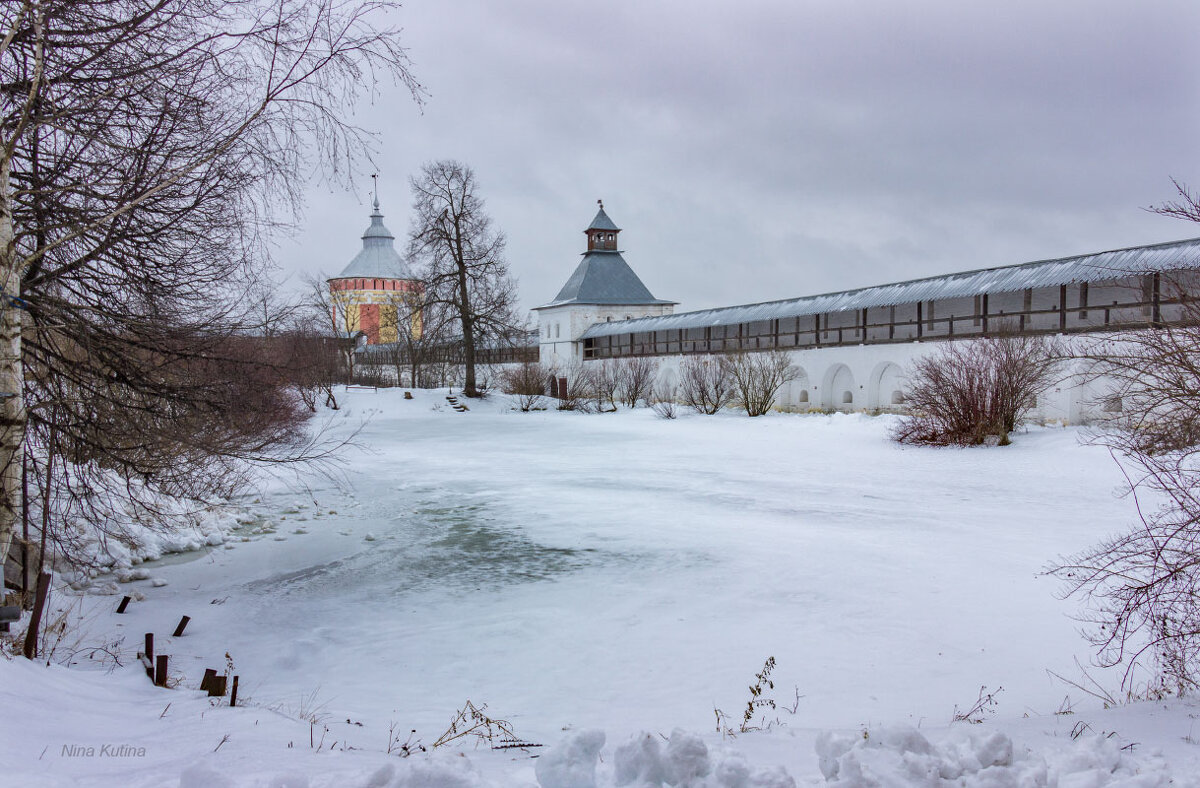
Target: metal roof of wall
x: 1101, y: 266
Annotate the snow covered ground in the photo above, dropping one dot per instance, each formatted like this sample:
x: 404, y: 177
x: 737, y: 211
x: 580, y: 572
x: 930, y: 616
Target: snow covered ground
x: 604, y: 583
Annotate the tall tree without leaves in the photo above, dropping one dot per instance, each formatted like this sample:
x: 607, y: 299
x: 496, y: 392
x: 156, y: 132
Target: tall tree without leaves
x: 463, y: 257
x: 147, y: 147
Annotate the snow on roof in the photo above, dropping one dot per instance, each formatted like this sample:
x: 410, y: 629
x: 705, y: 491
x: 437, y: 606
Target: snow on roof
x: 1101, y: 266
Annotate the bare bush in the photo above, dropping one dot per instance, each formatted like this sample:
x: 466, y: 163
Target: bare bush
x: 706, y: 383
x: 526, y: 382
x: 758, y: 376
x: 605, y: 379
x: 1141, y: 590
x: 968, y: 392
x: 663, y: 400
x: 636, y: 380
x: 579, y: 391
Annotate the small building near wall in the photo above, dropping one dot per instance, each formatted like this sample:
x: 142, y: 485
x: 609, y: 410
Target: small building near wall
x: 376, y: 294
x: 603, y: 288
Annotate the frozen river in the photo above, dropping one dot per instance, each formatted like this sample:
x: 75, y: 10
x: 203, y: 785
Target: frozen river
x: 626, y: 572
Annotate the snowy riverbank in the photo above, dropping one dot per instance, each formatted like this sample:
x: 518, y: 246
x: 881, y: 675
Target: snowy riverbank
x: 624, y: 574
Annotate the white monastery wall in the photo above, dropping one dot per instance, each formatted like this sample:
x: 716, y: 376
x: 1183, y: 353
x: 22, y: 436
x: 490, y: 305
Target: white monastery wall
x: 559, y: 329
x: 871, y: 378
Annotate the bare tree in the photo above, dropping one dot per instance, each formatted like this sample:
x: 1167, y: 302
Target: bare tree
x: 637, y: 375
x: 758, y: 376
x: 325, y: 317
x: 147, y: 148
x: 463, y: 257
x: 969, y: 391
x: 706, y: 383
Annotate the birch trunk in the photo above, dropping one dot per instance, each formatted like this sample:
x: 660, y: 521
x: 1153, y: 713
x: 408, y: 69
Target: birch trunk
x: 12, y: 403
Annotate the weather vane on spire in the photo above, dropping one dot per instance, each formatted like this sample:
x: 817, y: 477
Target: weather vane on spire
x: 600, y: 203
x: 375, y: 187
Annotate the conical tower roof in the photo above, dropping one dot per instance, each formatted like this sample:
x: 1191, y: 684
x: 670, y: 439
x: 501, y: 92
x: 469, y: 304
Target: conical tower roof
x: 378, y: 258
x: 602, y: 222
x: 603, y: 276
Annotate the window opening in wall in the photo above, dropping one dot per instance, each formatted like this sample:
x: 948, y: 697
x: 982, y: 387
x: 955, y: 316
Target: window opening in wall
x: 847, y: 397
x: 897, y: 397
x: 1083, y: 296
x: 1113, y: 405
x: 803, y: 397
x: 557, y: 330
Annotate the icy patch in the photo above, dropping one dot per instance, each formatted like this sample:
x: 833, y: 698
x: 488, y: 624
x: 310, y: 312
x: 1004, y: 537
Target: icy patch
x: 455, y: 549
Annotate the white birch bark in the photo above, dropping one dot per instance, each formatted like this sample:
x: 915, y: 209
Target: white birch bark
x: 12, y: 404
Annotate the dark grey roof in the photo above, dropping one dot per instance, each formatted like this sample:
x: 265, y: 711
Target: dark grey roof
x: 603, y: 277
x: 1102, y: 266
x: 378, y: 258
x: 602, y: 222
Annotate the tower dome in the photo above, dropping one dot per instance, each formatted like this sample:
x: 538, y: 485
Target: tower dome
x: 377, y: 294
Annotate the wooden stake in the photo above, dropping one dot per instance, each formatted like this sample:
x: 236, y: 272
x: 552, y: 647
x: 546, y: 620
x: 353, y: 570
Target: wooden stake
x: 35, y: 621
x: 124, y: 604
x: 183, y: 622
x: 149, y: 652
x: 233, y: 695
x: 160, y: 670
x: 206, y: 682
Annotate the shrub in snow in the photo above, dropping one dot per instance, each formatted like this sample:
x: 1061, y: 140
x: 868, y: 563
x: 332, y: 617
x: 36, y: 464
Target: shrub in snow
x: 706, y: 383
x: 758, y: 376
x: 968, y: 392
x: 527, y: 383
x: 636, y: 376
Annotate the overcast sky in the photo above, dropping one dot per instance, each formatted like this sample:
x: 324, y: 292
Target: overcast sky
x: 766, y: 149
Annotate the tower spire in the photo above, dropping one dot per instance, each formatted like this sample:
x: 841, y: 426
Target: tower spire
x: 375, y: 188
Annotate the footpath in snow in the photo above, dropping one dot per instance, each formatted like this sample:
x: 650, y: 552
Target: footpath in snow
x: 606, y: 584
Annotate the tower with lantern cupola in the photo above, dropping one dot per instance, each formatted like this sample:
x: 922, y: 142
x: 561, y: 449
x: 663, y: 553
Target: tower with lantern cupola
x: 602, y: 288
